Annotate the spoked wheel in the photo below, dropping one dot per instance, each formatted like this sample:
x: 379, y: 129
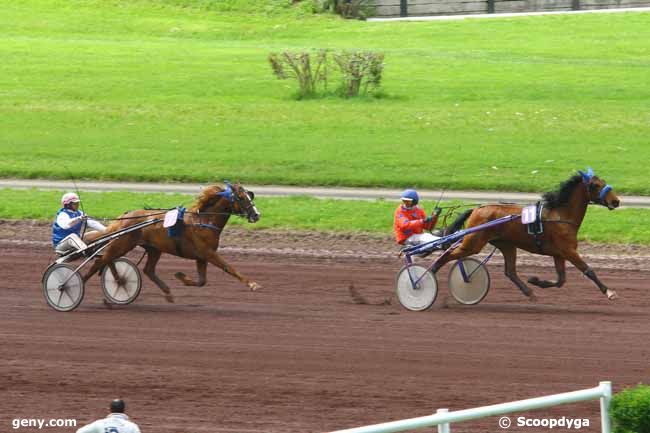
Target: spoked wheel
x: 63, y: 287
x: 476, y: 287
x: 126, y: 288
x: 417, y: 287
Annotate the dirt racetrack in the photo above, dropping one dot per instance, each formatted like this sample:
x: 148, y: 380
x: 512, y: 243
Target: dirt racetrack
x: 301, y: 355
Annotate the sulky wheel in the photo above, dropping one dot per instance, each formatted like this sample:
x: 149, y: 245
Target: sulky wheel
x: 416, y: 287
x: 126, y: 288
x: 63, y: 287
x: 469, y: 281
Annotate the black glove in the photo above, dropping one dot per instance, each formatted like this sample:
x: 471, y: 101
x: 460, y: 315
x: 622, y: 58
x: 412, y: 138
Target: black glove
x: 437, y: 211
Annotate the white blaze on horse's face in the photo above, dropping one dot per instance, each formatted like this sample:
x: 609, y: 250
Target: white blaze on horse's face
x: 253, y: 214
x: 255, y: 217
x: 245, y: 202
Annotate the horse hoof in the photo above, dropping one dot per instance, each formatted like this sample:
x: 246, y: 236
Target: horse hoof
x: 532, y: 298
x: 253, y: 286
x: 611, y: 295
x: 180, y: 275
x: 169, y: 298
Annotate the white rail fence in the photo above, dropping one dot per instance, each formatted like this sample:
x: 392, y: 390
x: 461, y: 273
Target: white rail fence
x: 443, y: 418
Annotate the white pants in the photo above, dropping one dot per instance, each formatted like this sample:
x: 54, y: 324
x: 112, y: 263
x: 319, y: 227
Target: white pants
x: 420, y: 238
x: 69, y: 243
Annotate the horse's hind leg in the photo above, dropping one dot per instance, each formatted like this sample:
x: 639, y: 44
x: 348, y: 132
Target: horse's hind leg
x: 472, y: 244
x: 98, y: 264
x: 577, y: 261
x: 560, y: 268
x: 509, y: 252
x: 201, y: 269
x: 114, y: 250
x: 153, y: 255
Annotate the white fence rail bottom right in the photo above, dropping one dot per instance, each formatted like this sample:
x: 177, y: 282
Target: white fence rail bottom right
x: 443, y: 418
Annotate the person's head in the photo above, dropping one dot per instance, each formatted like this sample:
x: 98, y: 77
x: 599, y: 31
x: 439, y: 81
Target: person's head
x: 118, y: 406
x: 410, y: 198
x: 70, y: 200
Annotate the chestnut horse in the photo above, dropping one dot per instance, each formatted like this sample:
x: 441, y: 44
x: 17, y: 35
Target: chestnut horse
x: 562, y: 215
x: 197, y: 235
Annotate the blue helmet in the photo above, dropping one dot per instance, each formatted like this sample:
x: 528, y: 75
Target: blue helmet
x: 411, y: 194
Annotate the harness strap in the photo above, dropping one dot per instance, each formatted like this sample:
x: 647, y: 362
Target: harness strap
x: 562, y: 222
x: 209, y: 226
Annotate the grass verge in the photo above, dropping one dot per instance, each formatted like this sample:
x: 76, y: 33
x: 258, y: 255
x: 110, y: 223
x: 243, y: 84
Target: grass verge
x: 181, y: 90
x: 623, y: 226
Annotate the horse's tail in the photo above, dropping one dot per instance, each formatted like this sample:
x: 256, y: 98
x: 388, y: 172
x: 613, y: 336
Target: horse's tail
x: 458, y: 222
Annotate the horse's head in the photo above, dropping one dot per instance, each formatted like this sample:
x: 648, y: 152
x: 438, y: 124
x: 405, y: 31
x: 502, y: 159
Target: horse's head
x: 242, y: 203
x: 599, y: 191
x: 227, y: 199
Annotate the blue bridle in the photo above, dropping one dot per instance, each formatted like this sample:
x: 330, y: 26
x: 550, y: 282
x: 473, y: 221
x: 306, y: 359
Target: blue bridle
x: 227, y: 193
x: 586, y: 178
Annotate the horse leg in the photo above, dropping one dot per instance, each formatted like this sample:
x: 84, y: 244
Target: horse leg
x: 509, y: 252
x: 116, y: 249
x: 215, y: 259
x: 201, y: 269
x: 153, y: 255
x: 98, y: 264
x: 119, y: 280
x: 577, y: 261
x: 560, y: 268
x: 472, y: 244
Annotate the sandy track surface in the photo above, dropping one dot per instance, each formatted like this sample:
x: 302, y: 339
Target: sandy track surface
x: 301, y: 355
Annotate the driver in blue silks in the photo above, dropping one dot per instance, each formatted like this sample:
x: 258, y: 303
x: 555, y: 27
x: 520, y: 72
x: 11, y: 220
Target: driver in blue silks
x: 66, y: 229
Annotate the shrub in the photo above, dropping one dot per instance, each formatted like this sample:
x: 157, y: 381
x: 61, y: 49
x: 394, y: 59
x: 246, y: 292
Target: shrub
x: 299, y: 65
x: 630, y: 410
x: 360, y: 71
x: 349, y: 8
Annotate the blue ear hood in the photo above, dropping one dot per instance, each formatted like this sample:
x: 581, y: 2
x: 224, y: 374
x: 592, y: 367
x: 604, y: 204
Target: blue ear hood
x: 227, y: 193
x: 586, y: 177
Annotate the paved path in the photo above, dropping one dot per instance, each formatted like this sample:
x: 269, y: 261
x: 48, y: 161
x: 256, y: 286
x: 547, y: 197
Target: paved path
x: 509, y: 15
x: 320, y: 192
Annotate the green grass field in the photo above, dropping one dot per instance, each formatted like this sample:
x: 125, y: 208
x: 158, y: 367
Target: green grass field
x: 150, y: 90
x: 623, y: 226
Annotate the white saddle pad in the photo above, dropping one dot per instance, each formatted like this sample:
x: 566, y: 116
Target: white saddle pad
x: 170, y: 218
x: 529, y: 214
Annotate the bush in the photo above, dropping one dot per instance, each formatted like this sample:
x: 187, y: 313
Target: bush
x: 360, y: 70
x: 630, y: 410
x: 298, y: 65
x: 360, y: 9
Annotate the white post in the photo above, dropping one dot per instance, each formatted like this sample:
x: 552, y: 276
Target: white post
x: 604, y: 407
x: 443, y: 428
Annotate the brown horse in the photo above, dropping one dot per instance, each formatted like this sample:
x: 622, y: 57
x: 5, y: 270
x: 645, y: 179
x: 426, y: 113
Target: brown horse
x: 196, y: 237
x: 562, y: 215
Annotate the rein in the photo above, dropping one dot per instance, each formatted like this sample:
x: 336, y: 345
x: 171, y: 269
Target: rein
x: 562, y: 222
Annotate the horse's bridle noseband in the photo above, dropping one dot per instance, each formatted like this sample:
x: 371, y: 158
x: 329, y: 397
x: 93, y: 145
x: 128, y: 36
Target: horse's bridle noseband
x: 587, y: 179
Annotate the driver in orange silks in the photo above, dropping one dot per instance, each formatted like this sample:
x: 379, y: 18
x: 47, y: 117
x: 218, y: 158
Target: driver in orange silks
x: 410, y: 221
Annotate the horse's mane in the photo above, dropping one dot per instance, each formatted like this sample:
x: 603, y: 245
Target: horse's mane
x: 206, y: 197
x: 555, y: 199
